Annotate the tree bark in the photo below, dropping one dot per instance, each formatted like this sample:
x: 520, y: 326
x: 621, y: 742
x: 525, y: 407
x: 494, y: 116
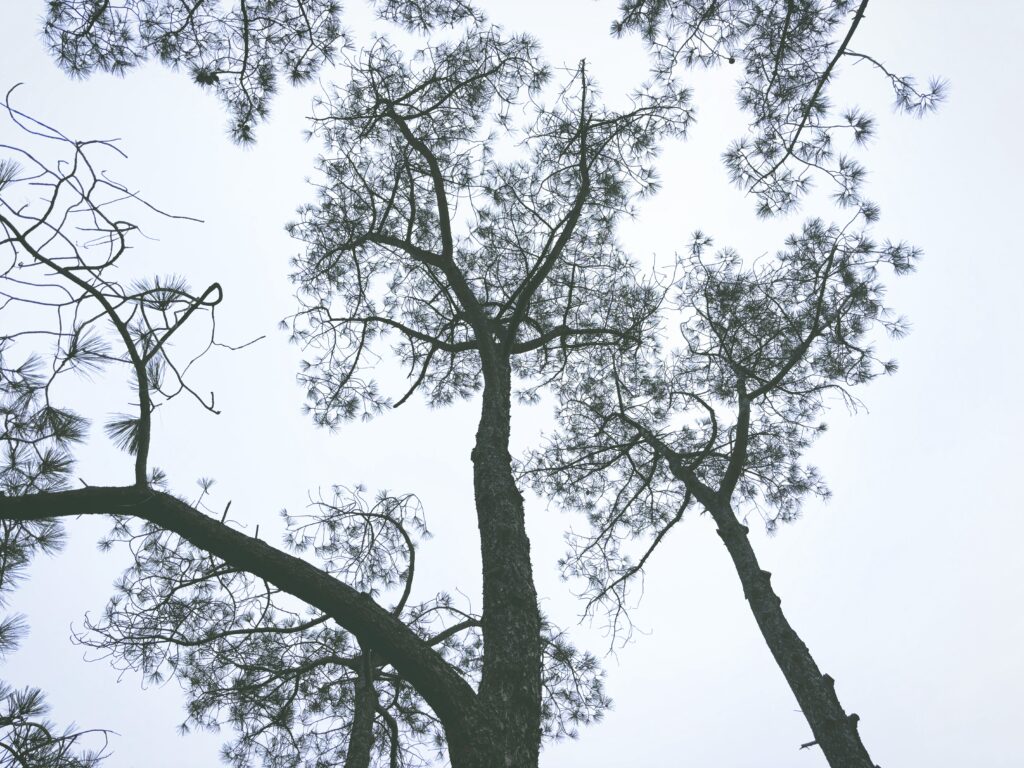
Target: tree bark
x: 834, y: 731
x: 510, y: 683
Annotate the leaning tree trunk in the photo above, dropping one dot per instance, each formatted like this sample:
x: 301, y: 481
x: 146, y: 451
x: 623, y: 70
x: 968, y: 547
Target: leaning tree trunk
x: 510, y: 682
x: 834, y: 731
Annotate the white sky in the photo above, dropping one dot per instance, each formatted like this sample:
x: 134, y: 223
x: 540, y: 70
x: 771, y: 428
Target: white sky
x: 907, y: 586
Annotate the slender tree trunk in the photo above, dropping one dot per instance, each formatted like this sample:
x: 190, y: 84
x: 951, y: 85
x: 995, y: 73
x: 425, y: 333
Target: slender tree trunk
x: 834, y: 731
x: 510, y: 683
x: 360, y: 742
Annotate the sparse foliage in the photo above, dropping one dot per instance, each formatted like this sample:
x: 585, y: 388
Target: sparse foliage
x: 241, y: 50
x: 535, y: 271
x: 789, y: 53
x: 721, y: 418
x: 287, y: 678
x: 64, y: 248
x: 466, y: 224
x: 27, y: 736
x: 483, y: 241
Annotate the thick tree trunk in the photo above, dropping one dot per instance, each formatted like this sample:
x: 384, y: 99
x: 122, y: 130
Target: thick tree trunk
x: 510, y: 684
x: 834, y: 731
x: 480, y: 749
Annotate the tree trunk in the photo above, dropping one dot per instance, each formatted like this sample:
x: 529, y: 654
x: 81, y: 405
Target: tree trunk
x: 360, y: 741
x: 510, y: 683
x: 480, y: 749
x: 834, y: 731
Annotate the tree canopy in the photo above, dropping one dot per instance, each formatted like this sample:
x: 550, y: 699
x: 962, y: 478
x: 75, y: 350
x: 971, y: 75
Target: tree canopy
x: 466, y: 228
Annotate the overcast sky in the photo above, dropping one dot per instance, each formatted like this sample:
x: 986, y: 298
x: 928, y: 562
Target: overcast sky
x: 908, y: 586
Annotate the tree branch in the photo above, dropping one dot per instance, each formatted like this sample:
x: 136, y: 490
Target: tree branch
x: 441, y: 686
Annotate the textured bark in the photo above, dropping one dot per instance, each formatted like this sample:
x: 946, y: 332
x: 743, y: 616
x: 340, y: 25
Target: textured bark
x: 442, y: 687
x: 510, y: 684
x: 834, y: 731
x: 480, y: 749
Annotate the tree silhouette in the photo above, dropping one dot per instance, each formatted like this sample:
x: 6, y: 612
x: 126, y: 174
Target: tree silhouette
x: 523, y: 297
x: 27, y: 737
x: 721, y: 420
x: 240, y: 49
x: 789, y: 53
x: 298, y: 689
x: 532, y: 276
x: 465, y: 225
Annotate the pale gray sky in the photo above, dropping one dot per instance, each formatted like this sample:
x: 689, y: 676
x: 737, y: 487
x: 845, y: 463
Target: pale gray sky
x: 908, y: 586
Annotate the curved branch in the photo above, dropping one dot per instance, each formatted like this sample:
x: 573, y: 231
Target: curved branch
x: 137, y: 361
x: 441, y: 686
